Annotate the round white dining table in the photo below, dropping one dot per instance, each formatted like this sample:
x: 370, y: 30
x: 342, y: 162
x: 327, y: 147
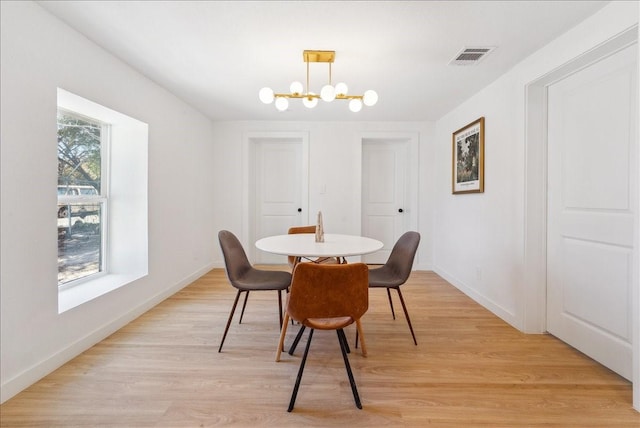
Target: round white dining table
x: 305, y: 245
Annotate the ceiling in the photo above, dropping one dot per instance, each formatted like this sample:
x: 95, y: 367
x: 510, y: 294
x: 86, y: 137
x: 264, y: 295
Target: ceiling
x: 217, y: 55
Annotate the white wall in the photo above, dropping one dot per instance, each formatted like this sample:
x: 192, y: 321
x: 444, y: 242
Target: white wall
x: 478, y: 237
x: 39, y: 54
x: 482, y: 242
x: 335, y: 158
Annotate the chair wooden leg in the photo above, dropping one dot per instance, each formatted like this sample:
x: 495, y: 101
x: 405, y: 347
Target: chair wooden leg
x: 352, y: 381
x: 226, y: 329
x: 299, y: 377
x: 360, y: 333
x: 244, y: 305
x: 283, y: 333
x: 391, y: 303
x: 406, y: 314
x: 288, y: 290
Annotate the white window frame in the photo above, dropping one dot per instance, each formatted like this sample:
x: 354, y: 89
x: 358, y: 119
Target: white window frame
x: 102, y: 198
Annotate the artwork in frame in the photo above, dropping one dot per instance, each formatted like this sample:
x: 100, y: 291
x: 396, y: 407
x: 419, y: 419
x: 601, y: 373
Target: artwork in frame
x: 468, y: 158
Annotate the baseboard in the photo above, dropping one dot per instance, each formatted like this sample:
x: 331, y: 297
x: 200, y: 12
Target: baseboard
x: 507, y: 316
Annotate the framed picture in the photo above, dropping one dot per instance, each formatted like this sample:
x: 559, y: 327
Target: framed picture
x: 468, y: 158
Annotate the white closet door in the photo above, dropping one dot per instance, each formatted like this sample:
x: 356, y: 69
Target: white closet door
x: 592, y: 126
x: 278, y: 187
x: 384, y: 174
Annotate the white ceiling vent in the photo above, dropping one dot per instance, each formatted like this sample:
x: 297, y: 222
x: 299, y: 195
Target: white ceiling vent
x: 471, y: 56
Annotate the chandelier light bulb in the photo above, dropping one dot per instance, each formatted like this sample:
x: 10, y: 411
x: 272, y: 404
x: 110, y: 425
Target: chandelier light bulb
x: 341, y: 88
x: 310, y: 102
x: 296, y: 88
x: 282, y: 104
x: 328, y: 93
x: 355, y: 105
x: 266, y: 95
x: 370, y: 98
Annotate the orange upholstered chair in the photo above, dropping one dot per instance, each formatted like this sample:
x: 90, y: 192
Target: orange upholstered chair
x: 327, y: 297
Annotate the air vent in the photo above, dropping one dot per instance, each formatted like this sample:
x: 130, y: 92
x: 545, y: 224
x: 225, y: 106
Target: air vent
x: 471, y: 56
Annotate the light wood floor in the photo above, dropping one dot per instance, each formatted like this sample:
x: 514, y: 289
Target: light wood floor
x: 469, y: 369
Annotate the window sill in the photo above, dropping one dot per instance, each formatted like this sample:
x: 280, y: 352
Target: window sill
x: 75, y: 296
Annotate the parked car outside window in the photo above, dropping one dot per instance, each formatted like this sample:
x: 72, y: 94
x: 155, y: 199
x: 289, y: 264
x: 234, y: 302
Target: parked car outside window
x: 74, y: 209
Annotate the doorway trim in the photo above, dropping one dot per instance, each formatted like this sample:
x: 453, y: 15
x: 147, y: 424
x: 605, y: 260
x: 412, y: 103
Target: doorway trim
x: 250, y: 140
x: 534, y: 284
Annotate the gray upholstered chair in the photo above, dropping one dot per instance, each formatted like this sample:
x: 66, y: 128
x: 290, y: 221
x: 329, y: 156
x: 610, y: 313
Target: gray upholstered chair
x: 396, y: 271
x: 243, y: 276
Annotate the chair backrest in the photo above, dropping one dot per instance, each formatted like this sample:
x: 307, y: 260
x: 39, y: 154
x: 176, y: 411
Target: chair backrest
x: 302, y: 229
x: 299, y: 229
x: 235, y: 259
x: 328, y: 291
x: 402, y: 254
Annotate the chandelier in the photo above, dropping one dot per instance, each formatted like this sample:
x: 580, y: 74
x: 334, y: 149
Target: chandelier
x: 328, y: 92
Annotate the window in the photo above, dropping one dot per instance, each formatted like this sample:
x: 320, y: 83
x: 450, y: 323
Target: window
x: 82, y: 196
x: 102, y: 200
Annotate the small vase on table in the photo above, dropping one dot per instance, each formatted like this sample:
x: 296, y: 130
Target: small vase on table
x: 319, y: 228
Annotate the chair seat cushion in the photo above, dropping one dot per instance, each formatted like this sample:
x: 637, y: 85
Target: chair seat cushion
x: 256, y: 279
x: 328, y: 323
x: 383, y: 277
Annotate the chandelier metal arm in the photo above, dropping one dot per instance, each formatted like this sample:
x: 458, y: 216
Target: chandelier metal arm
x: 349, y: 97
x: 338, y: 97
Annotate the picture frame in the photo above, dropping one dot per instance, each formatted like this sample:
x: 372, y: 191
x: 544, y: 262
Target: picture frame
x: 468, y: 158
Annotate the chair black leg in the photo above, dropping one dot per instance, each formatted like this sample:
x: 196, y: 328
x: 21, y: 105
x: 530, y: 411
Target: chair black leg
x: 296, y: 340
x: 406, y: 314
x: 280, y: 306
x: 356, y: 397
x: 244, y: 305
x: 391, y: 303
x: 343, y: 338
x: 300, y: 370
x: 226, y: 329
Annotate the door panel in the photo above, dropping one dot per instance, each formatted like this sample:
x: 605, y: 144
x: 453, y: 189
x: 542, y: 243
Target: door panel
x: 384, y: 170
x: 592, y: 127
x: 585, y: 298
